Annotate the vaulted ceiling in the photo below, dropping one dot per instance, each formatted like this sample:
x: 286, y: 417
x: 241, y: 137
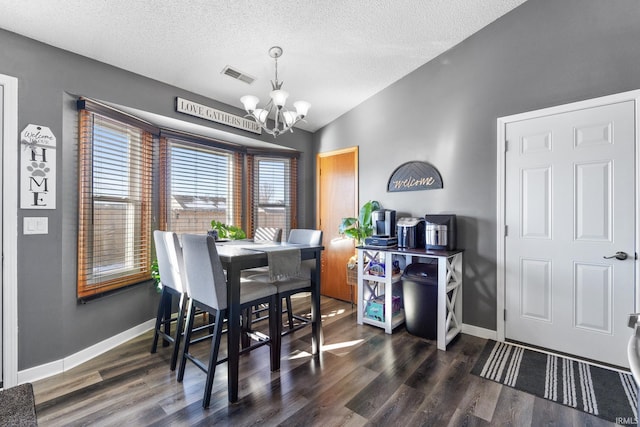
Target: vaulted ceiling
x: 337, y: 53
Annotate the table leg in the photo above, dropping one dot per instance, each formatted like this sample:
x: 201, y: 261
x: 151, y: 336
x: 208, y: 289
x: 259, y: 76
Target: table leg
x: 275, y: 331
x: 233, y: 330
x: 316, y: 317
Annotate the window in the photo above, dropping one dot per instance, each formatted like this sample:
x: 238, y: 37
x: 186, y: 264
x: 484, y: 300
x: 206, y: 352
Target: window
x: 274, y: 191
x: 114, y: 202
x: 199, y: 180
x: 201, y: 184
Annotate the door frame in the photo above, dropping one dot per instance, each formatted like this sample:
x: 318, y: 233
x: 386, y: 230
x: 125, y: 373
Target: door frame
x: 10, y: 238
x: 502, y: 122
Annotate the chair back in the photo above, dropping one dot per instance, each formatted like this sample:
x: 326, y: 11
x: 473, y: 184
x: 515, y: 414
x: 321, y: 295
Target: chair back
x: 170, y: 260
x: 305, y: 236
x: 203, y: 270
x: 267, y: 234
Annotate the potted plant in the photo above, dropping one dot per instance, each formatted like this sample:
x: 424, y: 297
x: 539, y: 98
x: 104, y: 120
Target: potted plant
x: 155, y: 275
x: 358, y: 228
x: 225, y: 231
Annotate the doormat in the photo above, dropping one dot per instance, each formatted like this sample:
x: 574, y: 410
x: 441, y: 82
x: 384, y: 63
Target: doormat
x: 605, y: 393
x: 17, y: 406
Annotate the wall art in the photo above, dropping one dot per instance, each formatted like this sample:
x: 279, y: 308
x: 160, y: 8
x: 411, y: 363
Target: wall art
x: 414, y: 176
x: 37, y: 168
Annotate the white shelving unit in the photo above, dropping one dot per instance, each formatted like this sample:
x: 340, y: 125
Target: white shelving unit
x: 377, y: 280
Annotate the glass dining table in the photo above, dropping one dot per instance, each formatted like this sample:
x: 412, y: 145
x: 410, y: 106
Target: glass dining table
x: 239, y: 255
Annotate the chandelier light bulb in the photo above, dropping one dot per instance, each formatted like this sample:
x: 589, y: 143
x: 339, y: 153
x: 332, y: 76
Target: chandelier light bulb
x: 302, y: 107
x: 279, y: 97
x: 261, y: 115
x: 249, y: 102
x: 289, y: 118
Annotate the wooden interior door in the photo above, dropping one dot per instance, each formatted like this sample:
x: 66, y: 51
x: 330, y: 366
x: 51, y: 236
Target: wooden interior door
x: 337, y: 181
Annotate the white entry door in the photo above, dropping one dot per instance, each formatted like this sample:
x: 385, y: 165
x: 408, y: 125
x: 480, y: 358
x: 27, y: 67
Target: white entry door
x: 1, y: 213
x: 570, y: 206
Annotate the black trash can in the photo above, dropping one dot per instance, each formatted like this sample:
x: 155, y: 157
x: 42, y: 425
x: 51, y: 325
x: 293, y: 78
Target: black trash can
x: 420, y: 289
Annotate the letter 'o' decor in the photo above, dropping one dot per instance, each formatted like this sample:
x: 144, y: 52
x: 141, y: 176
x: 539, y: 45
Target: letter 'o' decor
x: 414, y: 176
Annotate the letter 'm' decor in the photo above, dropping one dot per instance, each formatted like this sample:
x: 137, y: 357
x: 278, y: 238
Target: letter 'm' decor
x: 38, y: 168
x: 414, y: 176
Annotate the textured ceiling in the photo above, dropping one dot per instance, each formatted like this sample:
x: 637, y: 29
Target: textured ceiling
x: 336, y: 53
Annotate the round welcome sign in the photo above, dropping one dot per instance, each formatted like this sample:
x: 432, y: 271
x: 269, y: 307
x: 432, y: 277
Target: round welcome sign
x: 414, y: 176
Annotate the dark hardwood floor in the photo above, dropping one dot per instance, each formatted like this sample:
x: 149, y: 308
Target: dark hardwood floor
x: 363, y: 377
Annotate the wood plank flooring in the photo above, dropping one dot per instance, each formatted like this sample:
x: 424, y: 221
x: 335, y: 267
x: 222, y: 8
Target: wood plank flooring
x: 363, y: 377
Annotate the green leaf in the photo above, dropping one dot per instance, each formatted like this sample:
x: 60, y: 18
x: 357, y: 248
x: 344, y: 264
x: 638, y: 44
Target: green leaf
x: 359, y: 228
x: 228, y: 231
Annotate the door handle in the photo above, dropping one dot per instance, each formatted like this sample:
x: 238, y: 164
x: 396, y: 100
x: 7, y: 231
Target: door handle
x: 619, y: 255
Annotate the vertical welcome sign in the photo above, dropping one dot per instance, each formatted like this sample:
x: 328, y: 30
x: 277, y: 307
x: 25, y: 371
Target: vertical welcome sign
x: 37, y: 168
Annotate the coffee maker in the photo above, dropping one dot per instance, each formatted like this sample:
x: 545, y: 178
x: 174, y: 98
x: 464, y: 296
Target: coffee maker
x: 384, y: 222
x: 440, y: 232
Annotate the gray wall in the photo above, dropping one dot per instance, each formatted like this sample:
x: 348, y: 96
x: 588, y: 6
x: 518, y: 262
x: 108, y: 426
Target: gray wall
x: 52, y: 325
x: 544, y: 53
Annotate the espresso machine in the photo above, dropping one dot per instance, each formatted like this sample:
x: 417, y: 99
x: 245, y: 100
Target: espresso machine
x: 440, y: 232
x: 383, y: 222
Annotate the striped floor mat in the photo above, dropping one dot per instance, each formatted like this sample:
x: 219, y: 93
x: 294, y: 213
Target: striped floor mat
x: 606, y: 393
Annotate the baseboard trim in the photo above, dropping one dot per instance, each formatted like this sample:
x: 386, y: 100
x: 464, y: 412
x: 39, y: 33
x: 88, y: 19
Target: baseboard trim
x: 479, y: 332
x: 63, y: 365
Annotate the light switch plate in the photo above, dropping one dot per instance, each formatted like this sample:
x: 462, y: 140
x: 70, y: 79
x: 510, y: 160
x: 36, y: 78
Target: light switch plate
x: 36, y: 225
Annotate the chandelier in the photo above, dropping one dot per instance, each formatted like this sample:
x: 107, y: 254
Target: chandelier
x: 284, y: 120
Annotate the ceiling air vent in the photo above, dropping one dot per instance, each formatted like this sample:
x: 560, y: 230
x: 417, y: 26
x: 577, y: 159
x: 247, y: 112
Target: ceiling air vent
x: 238, y: 75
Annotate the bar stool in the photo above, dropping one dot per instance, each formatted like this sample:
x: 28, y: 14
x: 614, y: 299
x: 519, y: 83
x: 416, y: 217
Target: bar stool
x: 262, y: 235
x: 207, y: 290
x: 169, y: 254
x: 267, y: 234
x: 288, y: 288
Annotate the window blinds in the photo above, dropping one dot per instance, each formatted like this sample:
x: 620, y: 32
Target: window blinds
x: 114, y: 204
x: 273, y: 192
x: 200, y: 184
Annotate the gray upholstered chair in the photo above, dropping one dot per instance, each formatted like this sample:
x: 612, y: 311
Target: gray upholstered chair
x: 286, y: 289
x: 170, y: 266
x: 207, y: 289
x: 291, y: 286
x: 267, y: 234
x: 261, y: 235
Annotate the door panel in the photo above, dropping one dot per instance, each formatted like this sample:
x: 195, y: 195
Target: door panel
x: 536, y: 289
x: 337, y: 198
x: 594, y: 289
x: 570, y: 201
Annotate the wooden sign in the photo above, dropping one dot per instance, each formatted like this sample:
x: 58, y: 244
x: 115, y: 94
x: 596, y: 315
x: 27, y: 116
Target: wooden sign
x: 414, y: 176
x: 38, y: 168
x: 198, y: 110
